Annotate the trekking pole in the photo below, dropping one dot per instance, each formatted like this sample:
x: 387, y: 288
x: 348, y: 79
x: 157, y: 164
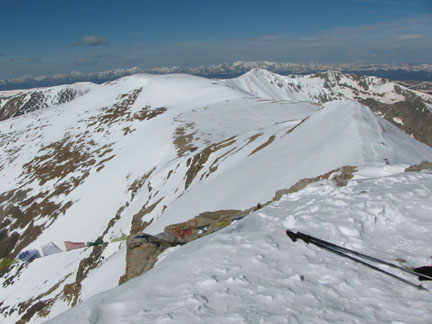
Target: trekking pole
x: 310, y: 239
x: 418, y: 286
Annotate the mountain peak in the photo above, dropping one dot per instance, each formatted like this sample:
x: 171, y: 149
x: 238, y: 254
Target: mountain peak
x: 421, y: 72
x: 171, y: 156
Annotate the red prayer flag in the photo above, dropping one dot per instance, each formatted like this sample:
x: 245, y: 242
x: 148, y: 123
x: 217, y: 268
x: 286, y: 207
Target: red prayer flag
x: 74, y: 245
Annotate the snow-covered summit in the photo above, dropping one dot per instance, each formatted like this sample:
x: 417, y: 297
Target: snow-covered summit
x: 319, y: 87
x: 409, y: 110
x: 148, y: 151
x: 251, y: 272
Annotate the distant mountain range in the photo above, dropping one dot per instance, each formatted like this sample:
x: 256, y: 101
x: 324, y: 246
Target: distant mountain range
x: 421, y: 72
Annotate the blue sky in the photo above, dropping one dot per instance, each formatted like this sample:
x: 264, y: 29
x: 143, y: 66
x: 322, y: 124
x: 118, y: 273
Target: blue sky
x: 41, y: 37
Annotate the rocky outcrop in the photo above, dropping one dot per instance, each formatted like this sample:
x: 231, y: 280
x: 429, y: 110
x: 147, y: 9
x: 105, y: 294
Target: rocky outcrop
x: 143, y: 250
x: 411, y: 115
x: 340, y: 176
x: 204, y: 224
x: 142, y: 255
x: 31, y: 100
x: 425, y: 165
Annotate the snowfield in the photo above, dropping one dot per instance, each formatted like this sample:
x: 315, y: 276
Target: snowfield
x: 329, y: 85
x: 148, y: 151
x: 251, y: 272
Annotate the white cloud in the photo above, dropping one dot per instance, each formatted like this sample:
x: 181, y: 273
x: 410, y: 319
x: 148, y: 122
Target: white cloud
x: 94, y: 41
x: 409, y: 36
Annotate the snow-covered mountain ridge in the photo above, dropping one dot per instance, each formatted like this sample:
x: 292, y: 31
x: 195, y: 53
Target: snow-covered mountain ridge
x: 18, y: 102
x: 409, y: 110
x: 420, y: 72
x: 250, y: 272
x: 144, y: 152
x: 321, y: 87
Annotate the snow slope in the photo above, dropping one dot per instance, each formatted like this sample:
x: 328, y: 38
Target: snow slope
x: 408, y: 110
x: 340, y: 133
x: 251, y: 272
x: 320, y: 87
x: 146, y: 151
x: 18, y: 102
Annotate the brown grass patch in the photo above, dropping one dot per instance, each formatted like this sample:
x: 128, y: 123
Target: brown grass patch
x: 121, y: 112
x: 139, y: 183
x: 293, y: 128
x: 196, y: 163
x: 424, y: 165
x: 58, y: 160
x: 342, y: 177
x: 183, y: 140
x: 253, y: 138
x: 71, y: 292
x: 37, y: 305
x: 267, y: 143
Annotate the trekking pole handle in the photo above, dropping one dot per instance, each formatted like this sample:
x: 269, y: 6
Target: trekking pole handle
x: 294, y: 236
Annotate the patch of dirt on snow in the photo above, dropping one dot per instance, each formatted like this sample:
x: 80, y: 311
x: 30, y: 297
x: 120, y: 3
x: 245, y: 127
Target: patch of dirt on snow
x: 183, y: 139
x: 122, y: 113
x: 12, y: 106
x: 196, y: 163
x: 57, y: 160
x: 139, y: 182
x: 11, y: 273
x: 267, y: 143
x: 71, y: 292
x: 119, y: 112
x: 344, y: 175
x: 20, y: 207
x: 424, y: 165
x: 341, y: 176
x: 253, y: 138
x: 41, y: 307
x: 293, y: 128
x: 138, y: 224
x: 214, y: 166
x: 19, y: 210
x: 29, y: 101
x: 147, y: 113
x: 37, y: 305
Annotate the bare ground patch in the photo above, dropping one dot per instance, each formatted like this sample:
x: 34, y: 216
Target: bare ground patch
x: 121, y: 113
x: 71, y: 292
x: 424, y: 165
x: 183, y: 138
x: 341, y: 176
x: 267, y: 143
x: 38, y: 304
x: 293, y: 128
x: 196, y: 163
